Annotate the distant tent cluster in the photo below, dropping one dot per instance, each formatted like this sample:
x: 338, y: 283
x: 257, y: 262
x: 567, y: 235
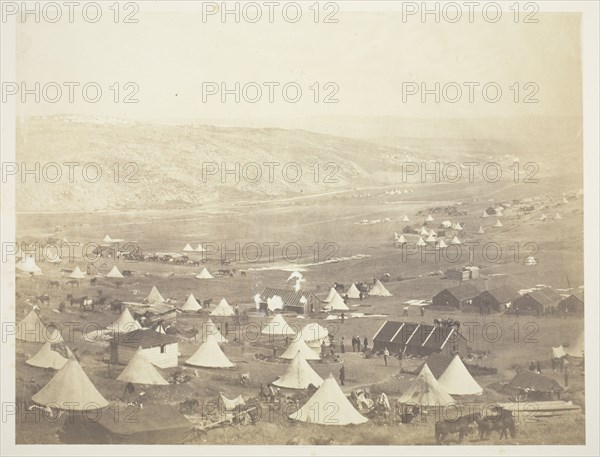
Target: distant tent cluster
x: 189, y: 248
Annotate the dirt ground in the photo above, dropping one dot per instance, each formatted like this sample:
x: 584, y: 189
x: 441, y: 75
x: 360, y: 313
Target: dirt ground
x: 520, y: 341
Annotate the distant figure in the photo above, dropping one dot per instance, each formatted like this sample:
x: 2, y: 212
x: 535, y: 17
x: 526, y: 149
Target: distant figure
x: 422, y: 311
x: 365, y: 344
x: 342, y: 375
x: 405, y: 313
x: 532, y: 366
x: 236, y: 310
x: 539, y: 367
x: 274, y: 351
x: 343, y: 317
x: 517, y: 311
x: 358, y: 343
x: 342, y: 346
x: 226, y: 328
x: 386, y: 354
x: 323, y: 349
x: 287, y: 341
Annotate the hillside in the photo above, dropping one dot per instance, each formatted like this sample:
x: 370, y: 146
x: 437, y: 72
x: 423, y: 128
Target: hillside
x: 169, y: 162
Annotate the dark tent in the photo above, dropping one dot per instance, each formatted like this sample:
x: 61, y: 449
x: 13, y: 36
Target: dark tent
x: 126, y: 424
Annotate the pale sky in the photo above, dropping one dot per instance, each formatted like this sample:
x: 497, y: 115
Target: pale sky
x: 367, y: 55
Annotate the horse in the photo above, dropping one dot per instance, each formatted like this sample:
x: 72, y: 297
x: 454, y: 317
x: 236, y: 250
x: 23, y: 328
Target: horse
x: 73, y: 282
x: 41, y: 299
x: 460, y: 426
x: 93, y: 281
x: 83, y: 302
x: 116, y: 307
x: 243, y: 273
x: 53, y: 284
x: 207, y: 302
x: 504, y: 423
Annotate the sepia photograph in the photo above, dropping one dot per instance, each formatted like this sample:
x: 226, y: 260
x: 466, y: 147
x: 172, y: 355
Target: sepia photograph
x: 255, y: 228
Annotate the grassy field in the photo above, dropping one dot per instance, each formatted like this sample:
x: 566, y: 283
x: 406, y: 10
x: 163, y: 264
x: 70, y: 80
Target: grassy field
x: 321, y: 220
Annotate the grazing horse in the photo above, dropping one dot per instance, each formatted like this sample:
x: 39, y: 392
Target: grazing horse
x: 243, y: 273
x: 460, y: 426
x: 83, y: 302
x: 207, y: 302
x: 53, y: 284
x: 93, y: 281
x: 504, y: 423
x: 41, y: 299
x: 73, y: 282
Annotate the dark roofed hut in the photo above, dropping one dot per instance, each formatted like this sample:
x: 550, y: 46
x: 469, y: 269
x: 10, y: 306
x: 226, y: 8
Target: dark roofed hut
x: 573, y: 304
x: 537, y: 301
x: 529, y: 385
x: 458, y: 297
x: 497, y: 299
x: 301, y: 302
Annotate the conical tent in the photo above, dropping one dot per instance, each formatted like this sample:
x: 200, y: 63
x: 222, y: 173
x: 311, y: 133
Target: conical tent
x: 154, y: 296
x: 353, y: 291
x: 27, y: 265
x: 426, y: 391
x: 558, y: 352
x: 455, y: 240
x: 299, y: 375
x: 498, y: 224
x: 199, y: 248
x: 223, y: 309
x: 458, y: 226
x: 204, y: 274
x: 441, y: 244
x: 401, y: 240
x: 125, y: 323
x: 140, y: 370
x: 456, y: 379
x: 187, y: 248
x: 318, y: 409
x: 210, y: 329
x: 337, y: 304
x: 332, y: 293
x: 70, y: 389
x: 485, y: 214
x: 77, y: 274
x: 379, y: 290
x: 530, y: 261
x: 430, y: 239
x: 421, y: 242
x: 31, y: 329
x: 232, y: 405
x: 47, y: 358
x: 314, y: 335
x: 429, y: 218
x: 565, y: 201
x: 557, y: 217
x: 405, y: 218
x: 576, y: 348
x: 543, y: 217
x: 114, y: 273
x: 278, y: 326
x: 423, y: 231
x: 107, y: 239
x: 480, y: 230
x: 209, y: 355
x: 432, y: 233
x: 191, y: 304
x: 299, y: 345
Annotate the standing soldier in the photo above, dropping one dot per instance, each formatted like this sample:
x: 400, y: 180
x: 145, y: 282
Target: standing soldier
x: 342, y: 347
x: 342, y: 375
x: 386, y: 354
